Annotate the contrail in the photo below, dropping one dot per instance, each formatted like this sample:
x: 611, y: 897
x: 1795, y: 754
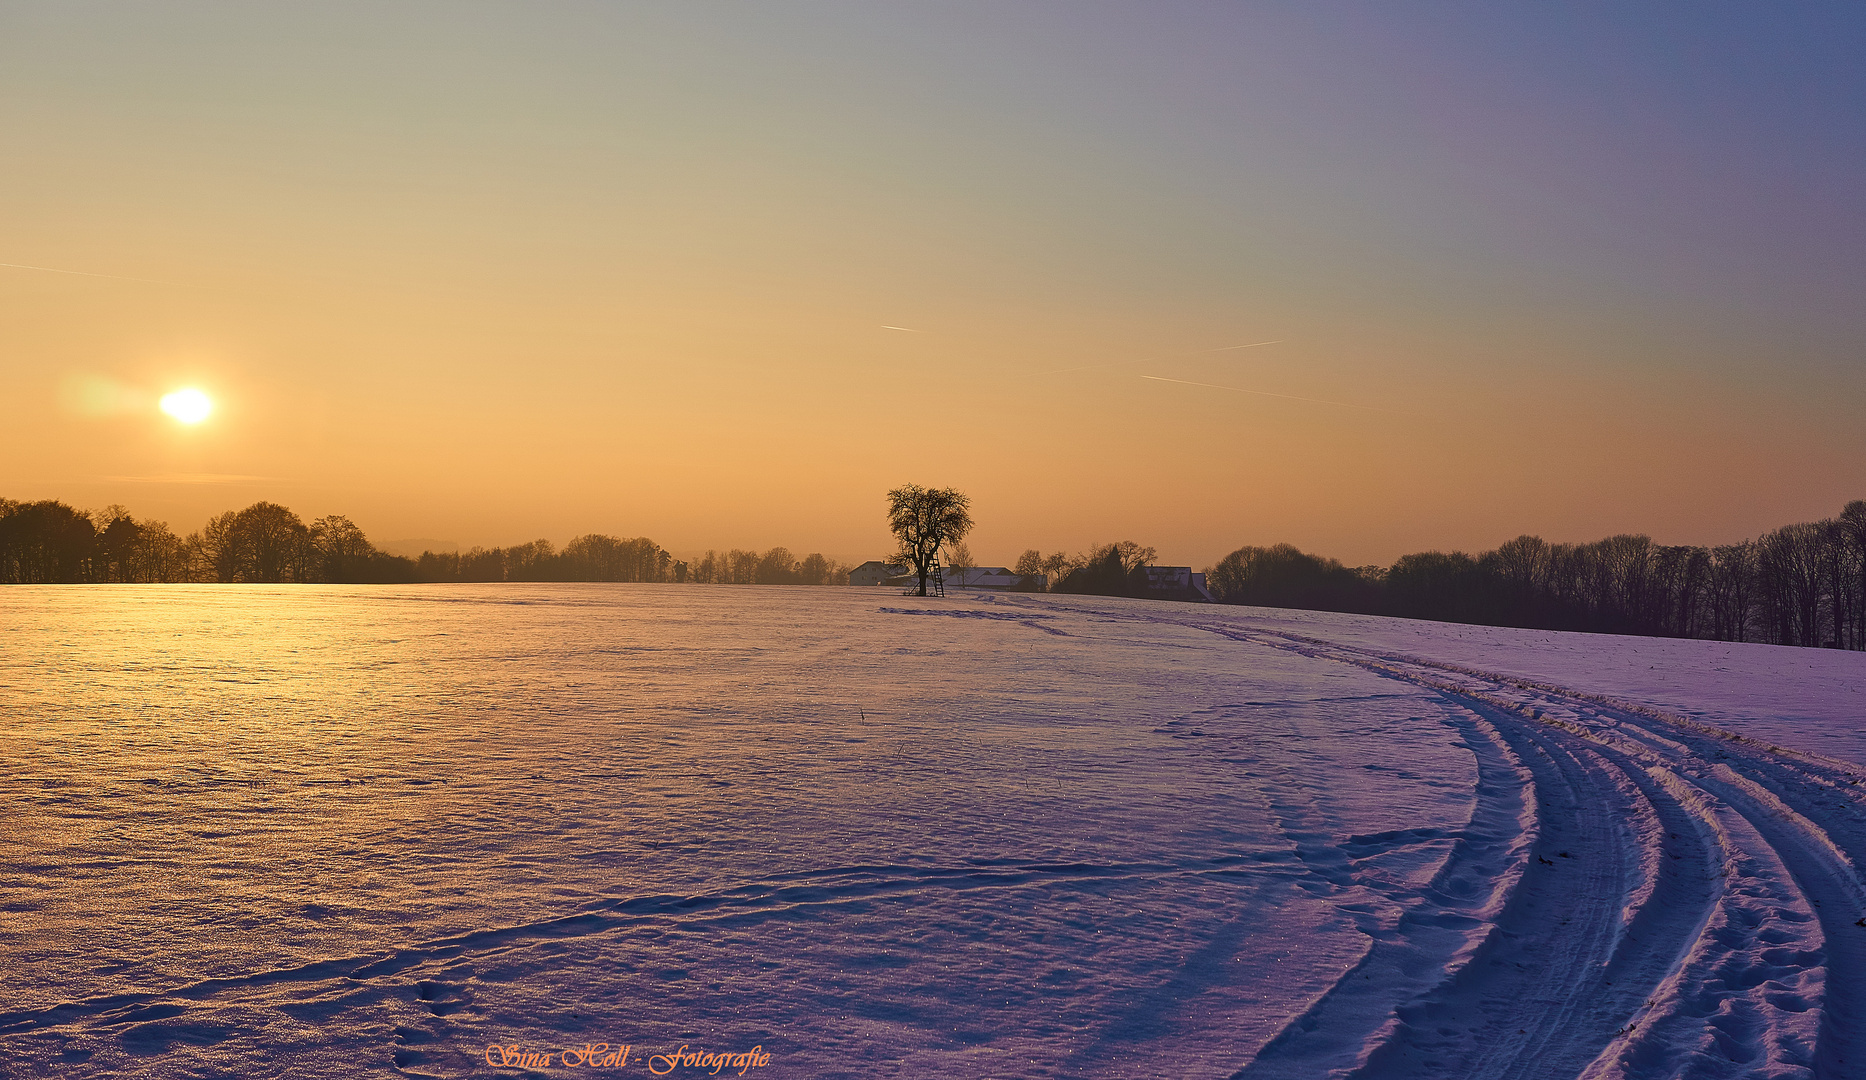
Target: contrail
x: 1264, y: 393
x: 909, y: 329
x: 87, y: 273
x: 1252, y: 345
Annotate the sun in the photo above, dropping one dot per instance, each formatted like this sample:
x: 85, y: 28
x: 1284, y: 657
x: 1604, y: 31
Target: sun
x: 190, y: 406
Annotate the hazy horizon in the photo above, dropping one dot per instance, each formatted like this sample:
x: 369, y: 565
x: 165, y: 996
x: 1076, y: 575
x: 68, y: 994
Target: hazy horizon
x: 723, y: 276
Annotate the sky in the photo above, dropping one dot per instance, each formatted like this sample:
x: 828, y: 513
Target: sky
x: 723, y: 274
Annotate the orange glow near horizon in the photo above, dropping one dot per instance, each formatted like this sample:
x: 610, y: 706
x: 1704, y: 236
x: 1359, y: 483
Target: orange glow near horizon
x: 1235, y: 276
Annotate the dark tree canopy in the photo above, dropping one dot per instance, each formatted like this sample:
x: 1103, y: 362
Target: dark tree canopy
x: 1800, y: 584
x: 264, y: 542
x: 1281, y: 576
x: 923, y: 519
x: 1118, y: 569
x: 45, y: 541
x: 51, y: 542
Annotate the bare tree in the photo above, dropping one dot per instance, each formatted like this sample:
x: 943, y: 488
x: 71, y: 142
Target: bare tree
x: 46, y: 542
x: 1524, y: 562
x: 215, y: 550
x: 923, y: 519
x: 338, y: 548
x: 1731, y: 590
x: 741, y: 567
x: 597, y: 557
x: 959, y: 561
x: 272, y: 543
x: 776, y: 567
x: 1056, y: 567
x: 264, y: 542
x: 118, y: 538
x: 1853, y: 528
x: 818, y: 569
x: 1790, y: 562
x: 1131, y: 555
x: 1836, y: 564
x: 1029, y: 570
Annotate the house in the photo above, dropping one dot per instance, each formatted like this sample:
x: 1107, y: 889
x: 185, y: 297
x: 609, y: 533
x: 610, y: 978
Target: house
x: 993, y: 577
x: 1177, y: 583
x: 874, y: 572
x: 969, y: 577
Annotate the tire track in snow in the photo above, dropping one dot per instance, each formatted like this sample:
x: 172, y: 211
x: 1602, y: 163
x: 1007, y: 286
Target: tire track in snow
x: 1796, y: 958
x: 1761, y: 971
x: 1434, y: 933
x: 1571, y: 955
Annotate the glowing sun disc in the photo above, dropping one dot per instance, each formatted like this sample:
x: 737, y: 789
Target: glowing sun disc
x: 189, y: 406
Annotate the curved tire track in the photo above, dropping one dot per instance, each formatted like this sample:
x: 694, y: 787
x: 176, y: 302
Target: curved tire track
x: 1721, y: 930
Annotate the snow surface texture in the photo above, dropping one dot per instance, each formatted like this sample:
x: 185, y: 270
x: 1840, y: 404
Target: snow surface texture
x: 352, y: 832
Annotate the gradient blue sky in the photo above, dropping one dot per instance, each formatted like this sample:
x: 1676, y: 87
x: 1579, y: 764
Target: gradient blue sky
x: 487, y: 272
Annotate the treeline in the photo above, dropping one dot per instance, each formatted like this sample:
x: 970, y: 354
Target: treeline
x: 48, y: 541
x: 587, y: 558
x: 1798, y: 585
x: 51, y: 542
x: 608, y: 558
x: 1118, y: 569
x: 775, y: 567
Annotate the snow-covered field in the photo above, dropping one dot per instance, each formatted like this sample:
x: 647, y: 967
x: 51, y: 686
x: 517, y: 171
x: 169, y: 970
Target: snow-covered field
x: 392, y: 831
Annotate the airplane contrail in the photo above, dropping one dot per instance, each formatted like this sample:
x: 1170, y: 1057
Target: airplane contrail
x: 1252, y: 345
x: 87, y: 273
x: 909, y: 329
x: 1264, y: 393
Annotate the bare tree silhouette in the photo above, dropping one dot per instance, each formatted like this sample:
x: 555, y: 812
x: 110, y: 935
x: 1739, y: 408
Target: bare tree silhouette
x: 923, y: 519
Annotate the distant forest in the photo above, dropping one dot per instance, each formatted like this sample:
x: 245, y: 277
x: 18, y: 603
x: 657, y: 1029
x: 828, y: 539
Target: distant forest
x: 1107, y: 570
x: 1799, y: 585
x: 51, y: 542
